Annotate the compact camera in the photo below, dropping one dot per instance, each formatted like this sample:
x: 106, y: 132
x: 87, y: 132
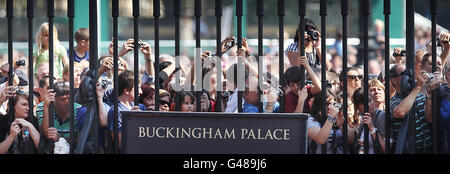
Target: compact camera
x: 430, y: 76
x: 20, y: 62
x: 229, y: 44
x: 140, y: 44
x: 337, y: 105
x: 16, y: 88
x: 104, y: 83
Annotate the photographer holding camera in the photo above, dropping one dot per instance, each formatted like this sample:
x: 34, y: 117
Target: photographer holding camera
x: 60, y: 96
x: 19, y: 134
x: 312, y: 46
x: 19, y: 77
x: 409, y: 94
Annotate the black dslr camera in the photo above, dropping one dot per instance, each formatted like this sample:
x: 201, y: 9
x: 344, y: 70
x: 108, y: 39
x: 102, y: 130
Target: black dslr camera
x: 402, y: 53
x: 407, y: 82
x: 313, y: 34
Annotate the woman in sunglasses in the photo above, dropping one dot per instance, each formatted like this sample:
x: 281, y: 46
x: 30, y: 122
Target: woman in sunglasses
x: 19, y: 134
x: 353, y: 82
x: 164, y: 100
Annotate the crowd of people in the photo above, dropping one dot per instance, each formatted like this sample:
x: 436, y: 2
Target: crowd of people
x: 24, y: 133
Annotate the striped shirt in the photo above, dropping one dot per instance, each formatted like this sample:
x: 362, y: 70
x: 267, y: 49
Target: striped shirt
x: 423, y: 128
x: 313, y: 57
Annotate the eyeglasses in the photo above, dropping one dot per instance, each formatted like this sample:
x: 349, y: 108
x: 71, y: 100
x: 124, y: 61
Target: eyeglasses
x: 353, y: 77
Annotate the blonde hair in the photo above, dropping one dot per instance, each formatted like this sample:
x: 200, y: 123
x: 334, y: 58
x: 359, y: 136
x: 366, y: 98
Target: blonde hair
x: 40, y: 34
x: 377, y: 83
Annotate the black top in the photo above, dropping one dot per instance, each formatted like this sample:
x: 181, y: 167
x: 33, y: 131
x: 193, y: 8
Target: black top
x: 27, y: 147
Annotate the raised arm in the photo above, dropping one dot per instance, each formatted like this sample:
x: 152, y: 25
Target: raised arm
x: 321, y: 135
x: 147, y: 50
x: 48, y: 98
x: 444, y: 39
x: 14, y: 130
x: 316, y: 81
x: 406, y: 104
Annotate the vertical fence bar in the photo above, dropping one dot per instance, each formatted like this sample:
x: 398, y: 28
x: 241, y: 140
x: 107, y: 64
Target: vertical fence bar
x: 410, y: 56
x: 51, y: 111
x: 323, y: 14
x: 366, y: 14
x: 156, y: 15
x: 115, y: 15
x: 93, y: 37
x: 260, y: 14
x: 177, y: 14
x: 93, y: 56
x: 71, y: 15
x: 239, y: 14
x: 198, y: 65
x: 301, y: 42
x: 387, y: 12
x: 344, y: 12
x: 218, y: 14
x: 436, y: 119
x: 410, y: 35
x: 136, y: 51
x: 10, y: 16
x: 30, y: 16
x: 281, y: 49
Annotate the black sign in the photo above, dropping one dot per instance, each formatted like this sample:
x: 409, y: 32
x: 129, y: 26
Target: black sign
x: 213, y: 133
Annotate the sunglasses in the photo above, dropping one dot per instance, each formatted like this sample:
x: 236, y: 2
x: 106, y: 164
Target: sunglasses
x: 162, y: 102
x: 353, y: 77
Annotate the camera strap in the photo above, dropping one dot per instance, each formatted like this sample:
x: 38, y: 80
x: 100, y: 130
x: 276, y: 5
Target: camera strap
x: 406, y: 137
